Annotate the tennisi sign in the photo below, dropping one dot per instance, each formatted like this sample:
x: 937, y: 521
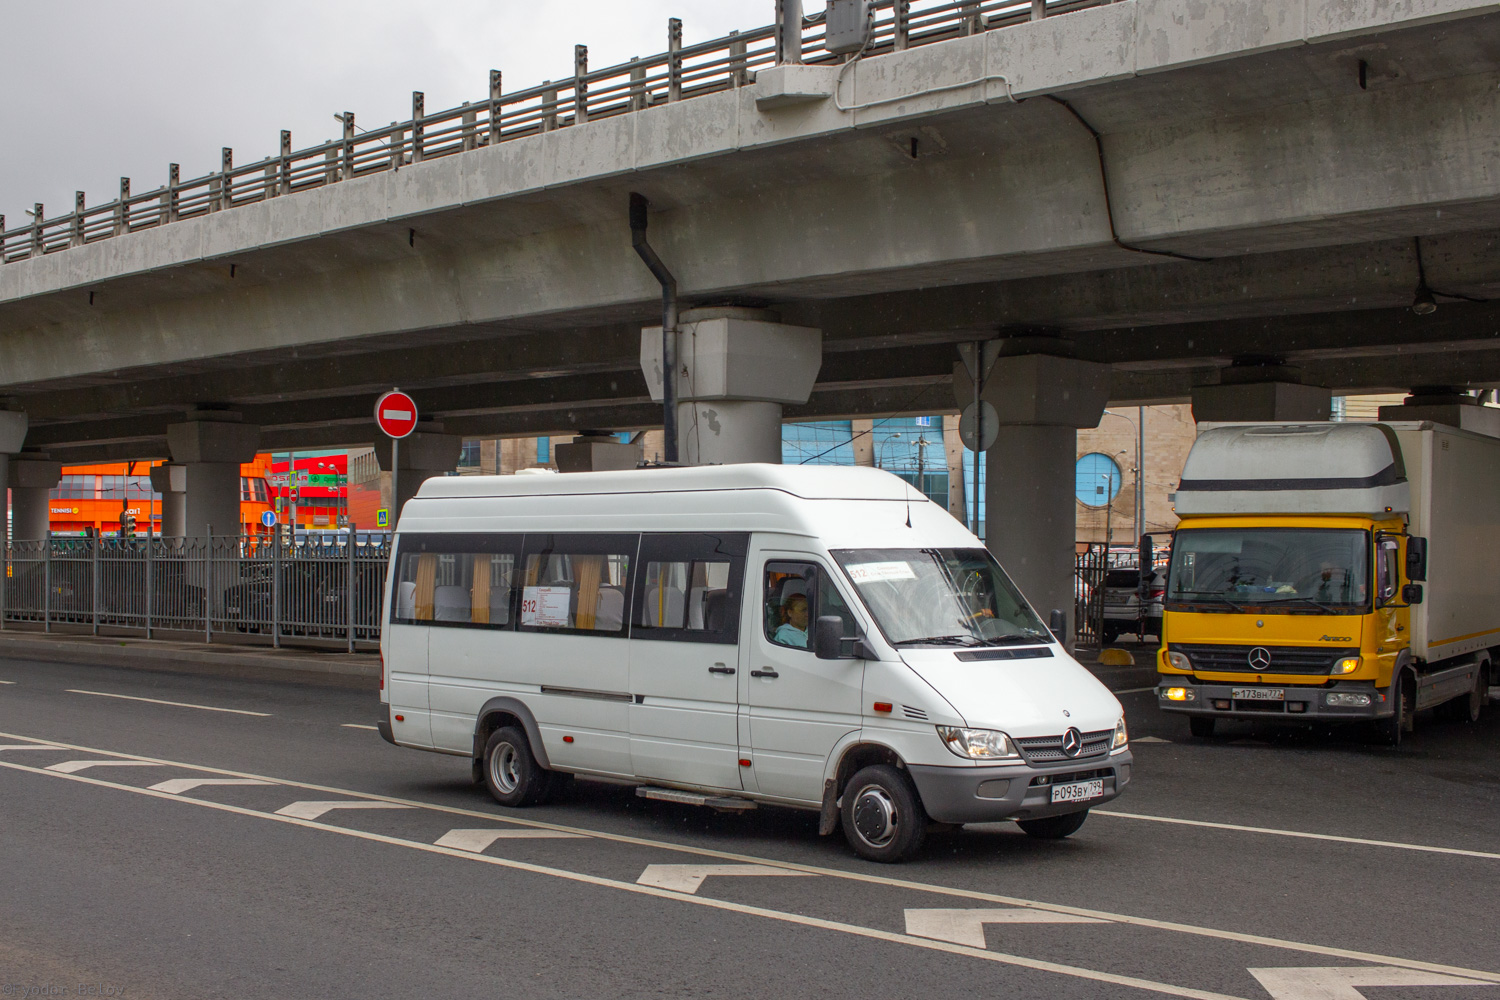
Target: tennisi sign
x: 396, y: 414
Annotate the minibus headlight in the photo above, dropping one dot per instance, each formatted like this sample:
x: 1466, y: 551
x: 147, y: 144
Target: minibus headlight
x: 1122, y: 738
x: 1179, y: 661
x: 1347, y: 665
x: 979, y: 744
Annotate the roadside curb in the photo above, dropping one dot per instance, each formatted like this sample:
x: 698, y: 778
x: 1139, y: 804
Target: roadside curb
x: 358, y: 670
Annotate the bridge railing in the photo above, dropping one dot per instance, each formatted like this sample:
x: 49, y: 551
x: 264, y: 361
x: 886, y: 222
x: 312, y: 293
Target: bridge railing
x: 682, y: 72
x: 320, y: 589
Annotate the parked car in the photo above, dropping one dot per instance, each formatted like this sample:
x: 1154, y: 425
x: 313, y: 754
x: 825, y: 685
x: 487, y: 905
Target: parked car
x: 1122, y: 604
x: 313, y: 597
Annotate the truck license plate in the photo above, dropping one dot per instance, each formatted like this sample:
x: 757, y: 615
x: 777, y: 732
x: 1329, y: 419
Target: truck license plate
x: 1259, y: 694
x: 1078, y: 791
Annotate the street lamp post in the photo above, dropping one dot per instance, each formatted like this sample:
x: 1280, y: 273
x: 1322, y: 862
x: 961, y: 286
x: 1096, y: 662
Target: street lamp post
x: 1140, y: 446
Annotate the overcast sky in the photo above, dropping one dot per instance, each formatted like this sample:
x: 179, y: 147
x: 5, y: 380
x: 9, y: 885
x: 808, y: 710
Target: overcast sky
x: 96, y: 90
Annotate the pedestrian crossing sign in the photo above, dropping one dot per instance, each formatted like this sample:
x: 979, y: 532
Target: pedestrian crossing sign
x: 382, y: 518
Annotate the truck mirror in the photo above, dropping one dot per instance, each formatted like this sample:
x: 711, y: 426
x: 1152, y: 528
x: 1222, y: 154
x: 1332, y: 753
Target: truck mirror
x: 828, y: 635
x: 1416, y: 558
x: 1058, y: 623
x: 1412, y: 593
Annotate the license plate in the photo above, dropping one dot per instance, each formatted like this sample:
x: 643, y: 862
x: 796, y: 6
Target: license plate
x: 1259, y: 694
x: 1078, y: 791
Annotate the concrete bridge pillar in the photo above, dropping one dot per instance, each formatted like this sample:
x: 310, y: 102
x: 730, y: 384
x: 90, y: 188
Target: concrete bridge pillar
x: 1030, y: 511
x: 32, y: 477
x: 209, y: 449
x: 736, y: 369
x: 424, y: 454
x: 1261, y: 391
x: 170, y: 481
x: 12, y: 437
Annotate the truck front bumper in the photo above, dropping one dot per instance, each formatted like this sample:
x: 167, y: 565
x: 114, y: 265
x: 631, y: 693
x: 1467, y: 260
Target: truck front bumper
x: 1014, y: 791
x: 1341, y: 701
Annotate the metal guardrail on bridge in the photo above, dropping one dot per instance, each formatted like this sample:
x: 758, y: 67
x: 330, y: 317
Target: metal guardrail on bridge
x: 680, y: 73
x: 224, y: 589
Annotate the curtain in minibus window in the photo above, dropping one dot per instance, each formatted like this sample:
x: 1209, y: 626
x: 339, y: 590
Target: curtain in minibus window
x: 443, y: 581
x: 576, y: 582
x: 689, y: 587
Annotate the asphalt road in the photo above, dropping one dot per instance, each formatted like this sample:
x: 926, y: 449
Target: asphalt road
x: 324, y: 862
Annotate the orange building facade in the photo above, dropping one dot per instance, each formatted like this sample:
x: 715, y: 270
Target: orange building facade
x: 92, y: 498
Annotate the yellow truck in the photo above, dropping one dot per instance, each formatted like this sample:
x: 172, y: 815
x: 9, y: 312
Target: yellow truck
x: 1333, y: 573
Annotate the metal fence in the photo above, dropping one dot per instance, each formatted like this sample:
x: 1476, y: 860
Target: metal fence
x: 321, y: 587
x: 1090, y: 567
x: 680, y: 73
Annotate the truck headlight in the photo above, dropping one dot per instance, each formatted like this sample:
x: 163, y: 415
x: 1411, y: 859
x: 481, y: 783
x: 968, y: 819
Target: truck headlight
x: 1122, y: 738
x: 1346, y: 699
x: 1179, y: 694
x: 978, y: 744
x: 1347, y: 665
x: 1179, y: 661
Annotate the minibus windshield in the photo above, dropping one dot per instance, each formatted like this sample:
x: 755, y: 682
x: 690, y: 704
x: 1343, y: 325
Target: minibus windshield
x: 1275, y: 570
x: 941, y: 597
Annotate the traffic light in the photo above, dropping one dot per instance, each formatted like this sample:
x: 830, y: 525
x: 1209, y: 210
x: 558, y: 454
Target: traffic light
x: 127, y: 524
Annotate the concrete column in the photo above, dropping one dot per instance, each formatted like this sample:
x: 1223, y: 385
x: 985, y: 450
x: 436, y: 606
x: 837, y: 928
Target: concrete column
x: 170, y: 481
x: 12, y: 437
x: 424, y: 454
x: 1030, y: 509
x: 736, y: 369
x: 31, y: 477
x: 1269, y: 392
x: 597, y: 452
x: 210, y: 449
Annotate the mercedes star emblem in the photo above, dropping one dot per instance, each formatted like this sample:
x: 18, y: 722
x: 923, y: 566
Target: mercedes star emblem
x: 1072, y: 742
x: 1260, y: 658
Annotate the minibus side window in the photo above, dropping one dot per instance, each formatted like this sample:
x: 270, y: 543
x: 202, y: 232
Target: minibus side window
x: 456, y: 580
x: 689, y: 587
x: 576, y: 583
x: 796, y: 594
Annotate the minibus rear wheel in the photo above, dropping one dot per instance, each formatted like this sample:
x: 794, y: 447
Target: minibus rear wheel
x: 511, y: 772
x: 883, y: 820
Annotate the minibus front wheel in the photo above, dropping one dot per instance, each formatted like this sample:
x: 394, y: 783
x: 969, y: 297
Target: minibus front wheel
x: 883, y: 818
x: 511, y: 771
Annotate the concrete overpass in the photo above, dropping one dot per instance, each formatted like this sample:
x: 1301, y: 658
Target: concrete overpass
x: 1167, y: 195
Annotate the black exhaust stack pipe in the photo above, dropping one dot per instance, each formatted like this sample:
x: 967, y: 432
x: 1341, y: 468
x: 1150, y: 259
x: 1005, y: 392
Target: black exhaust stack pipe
x: 638, y: 211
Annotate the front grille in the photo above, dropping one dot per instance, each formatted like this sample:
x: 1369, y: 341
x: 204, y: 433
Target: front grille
x: 1044, y: 749
x: 1063, y: 779
x: 1283, y: 659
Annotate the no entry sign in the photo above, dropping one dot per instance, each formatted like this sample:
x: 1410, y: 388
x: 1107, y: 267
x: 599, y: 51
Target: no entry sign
x: 396, y: 414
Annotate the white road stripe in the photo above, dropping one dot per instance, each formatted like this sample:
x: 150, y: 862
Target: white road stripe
x: 7, y: 682
x: 646, y: 890
x: 312, y: 810
x: 1339, y: 983
x: 30, y: 746
x: 1301, y: 835
x: 967, y: 926
x: 176, y: 786
x: 174, y: 704
x: 1195, y: 930
x: 1134, y: 690
x: 356, y: 725
x: 689, y: 878
x: 478, y: 840
x: 74, y: 766
x: 1149, y: 739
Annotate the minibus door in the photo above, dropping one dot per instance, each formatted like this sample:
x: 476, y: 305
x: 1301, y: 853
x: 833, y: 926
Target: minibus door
x: 799, y: 706
x: 406, y: 652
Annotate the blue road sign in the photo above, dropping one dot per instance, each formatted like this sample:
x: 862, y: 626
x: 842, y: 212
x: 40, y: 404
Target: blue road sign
x: 268, y: 518
x: 382, y: 518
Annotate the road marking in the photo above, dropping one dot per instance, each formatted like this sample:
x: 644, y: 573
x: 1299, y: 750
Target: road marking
x: 478, y: 840
x: 74, y: 766
x: 29, y: 746
x: 1134, y: 690
x: 312, y: 809
x: 967, y: 926
x: 1300, y: 835
x: 7, y: 682
x: 174, y: 704
x: 647, y: 890
x: 689, y: 878
x: 1149, y: 739
x: 1214, y: 933
x: 356, y: 725
x: 1339, y: 983
x: 176, y: 786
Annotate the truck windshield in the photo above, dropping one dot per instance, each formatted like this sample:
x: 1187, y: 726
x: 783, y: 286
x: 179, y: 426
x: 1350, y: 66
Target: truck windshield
x: 941, y: 597
x: 1277, y: 570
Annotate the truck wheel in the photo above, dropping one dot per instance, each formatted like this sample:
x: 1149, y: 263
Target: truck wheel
x: 511, y: 772
x: 883, y: 821
x: 1468, y: 709
x: 1202, y: 726
x: 1390, y: 730
x: 1054, y: 827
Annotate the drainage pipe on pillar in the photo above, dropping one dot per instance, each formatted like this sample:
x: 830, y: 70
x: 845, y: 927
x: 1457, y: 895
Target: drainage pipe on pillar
x: 638, y: 212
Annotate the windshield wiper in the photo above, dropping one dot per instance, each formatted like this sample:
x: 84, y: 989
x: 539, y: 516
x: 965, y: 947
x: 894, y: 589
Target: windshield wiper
x: 1013, y: 637
x: 941, y: 640
x: 1307, y: 600
x: 1221, y: 599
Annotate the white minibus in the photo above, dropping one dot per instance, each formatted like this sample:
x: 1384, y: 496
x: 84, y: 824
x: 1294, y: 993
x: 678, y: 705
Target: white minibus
x: 822, y: 638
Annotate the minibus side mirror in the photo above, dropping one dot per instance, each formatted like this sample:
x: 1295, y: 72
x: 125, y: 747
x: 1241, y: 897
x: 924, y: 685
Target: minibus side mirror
x: 828, y: 636
x: 1416, y: 558
x: 1412, y: 593
x: 1058, y: 623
